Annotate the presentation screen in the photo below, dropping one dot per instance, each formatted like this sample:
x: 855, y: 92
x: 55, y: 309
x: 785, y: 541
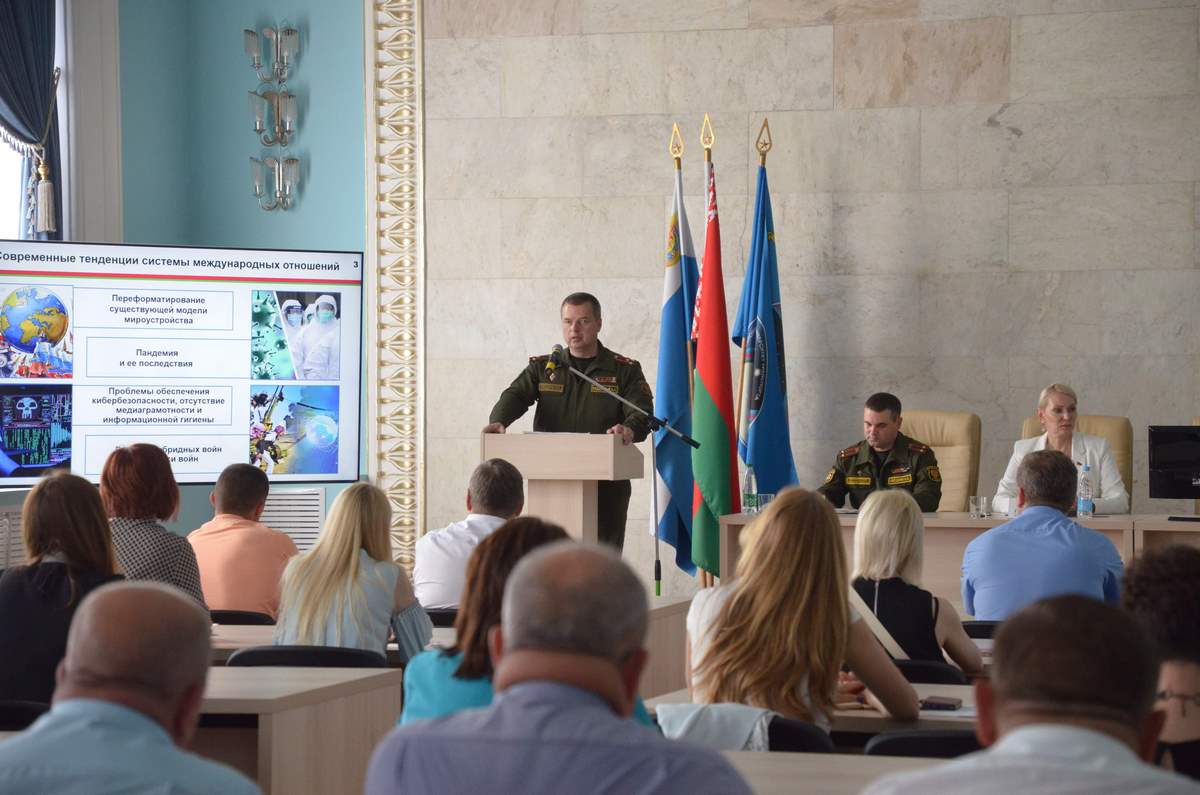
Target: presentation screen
x: 218, y: 356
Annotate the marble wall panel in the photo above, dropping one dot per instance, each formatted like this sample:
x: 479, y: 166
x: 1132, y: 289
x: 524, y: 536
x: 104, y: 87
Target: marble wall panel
x: 970, y: 9
x: 920, y: 232
x: 744, y: 70
x: 625, y: 16
x: 850, y: 150
x: 853, y: 316
x: 462, y: 239
x: 804, y: 233
x: 791, y: 13
x: 584, y: 75
x: 505, y: 157
x: 449, y: 462
x: 1134, y: 53
x: 506, y: 320
x: 1069, y: 143
x: 467, y: 18
x: 466, y: 390
x: 1150, y: 312
x: 1118, y: 227
x: 462, y: 78
x: 736, y: 216
x: 912, y: 62
x: 826, y: 393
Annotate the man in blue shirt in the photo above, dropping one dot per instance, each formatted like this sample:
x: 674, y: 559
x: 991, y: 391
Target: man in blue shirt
x: 568, y: 658
x: 1041, y: 552
x: 128, y: 698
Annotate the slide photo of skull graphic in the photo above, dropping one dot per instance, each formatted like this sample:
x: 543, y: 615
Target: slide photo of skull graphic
x: 35, y: 429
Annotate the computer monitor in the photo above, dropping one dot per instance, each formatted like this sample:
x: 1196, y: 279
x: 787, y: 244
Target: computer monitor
x: 1174, y: 462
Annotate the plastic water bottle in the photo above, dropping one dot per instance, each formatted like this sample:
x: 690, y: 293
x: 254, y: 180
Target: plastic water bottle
x: 1085, y: 506
x: 749, y: 492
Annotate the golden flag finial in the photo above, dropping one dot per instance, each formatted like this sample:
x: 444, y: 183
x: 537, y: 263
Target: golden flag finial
x: 676, y: 145
x: 707, y: 137
x: 763, y: 144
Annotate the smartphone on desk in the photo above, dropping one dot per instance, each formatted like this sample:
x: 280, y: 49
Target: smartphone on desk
x: 948, y: 703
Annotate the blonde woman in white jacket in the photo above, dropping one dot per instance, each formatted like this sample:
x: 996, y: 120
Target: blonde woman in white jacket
x: 1057, y: 412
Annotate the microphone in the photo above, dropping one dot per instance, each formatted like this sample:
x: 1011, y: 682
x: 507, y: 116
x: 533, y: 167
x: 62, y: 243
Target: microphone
x: 556, y: 354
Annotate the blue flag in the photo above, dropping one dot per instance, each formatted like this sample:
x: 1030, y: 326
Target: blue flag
x: 763, y: 439
x: 672, y: 392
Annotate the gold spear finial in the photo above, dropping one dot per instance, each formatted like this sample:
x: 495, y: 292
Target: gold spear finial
x: 676, y: 145
x: 763, y: 144
x: 707, y: 137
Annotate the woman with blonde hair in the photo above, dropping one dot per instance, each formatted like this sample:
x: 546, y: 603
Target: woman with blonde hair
x: 346, y: 591
x: 1057, y: 410
x: 776, y: 636
x: 69, y: 548
x: 889, y: 540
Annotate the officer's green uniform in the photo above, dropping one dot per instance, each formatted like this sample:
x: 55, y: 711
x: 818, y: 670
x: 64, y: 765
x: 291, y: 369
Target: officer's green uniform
x: 909, y: 465
x: 567, y: 403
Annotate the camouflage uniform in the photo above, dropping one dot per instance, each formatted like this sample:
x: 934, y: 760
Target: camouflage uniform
x: 909, y: 465
x: 567, y: 403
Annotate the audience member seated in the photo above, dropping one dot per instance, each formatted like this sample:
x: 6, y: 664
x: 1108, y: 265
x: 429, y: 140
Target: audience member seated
x: 494, y: 495
x: 1057, y: 411
x: 139, y: 491
x: 240, y: 558
x: 1041, y: 552
x: 1068, y: 708
x: 69, y: 549
x: 567, y: 657
x: 889, y: 542
x: 346, y: 591
x: 776, y: 635
x: 128, y: 698
x: 1162, y: 589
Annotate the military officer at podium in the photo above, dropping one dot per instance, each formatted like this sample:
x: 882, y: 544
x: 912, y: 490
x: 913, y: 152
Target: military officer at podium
x: 566, y: 403
x: 886, y: 459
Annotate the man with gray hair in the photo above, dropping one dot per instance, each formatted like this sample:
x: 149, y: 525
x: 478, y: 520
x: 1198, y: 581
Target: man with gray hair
x: 1068, y: 707
x: 1040, y: 552
x: 568, y: 656
x: 495, y: 494
x: 127, y: 702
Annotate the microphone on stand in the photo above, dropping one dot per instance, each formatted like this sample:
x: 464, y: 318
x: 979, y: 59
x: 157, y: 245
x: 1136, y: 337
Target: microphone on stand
x: 556, y: 359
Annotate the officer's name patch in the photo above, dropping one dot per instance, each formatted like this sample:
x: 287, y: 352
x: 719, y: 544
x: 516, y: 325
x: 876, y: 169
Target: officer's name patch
x: 604, y: 389
x: 858, y: 480
x: 544, y: 387
x: 900, y: 480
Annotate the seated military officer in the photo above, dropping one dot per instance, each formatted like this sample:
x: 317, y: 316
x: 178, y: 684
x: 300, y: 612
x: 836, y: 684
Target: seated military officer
x: 886, y: 459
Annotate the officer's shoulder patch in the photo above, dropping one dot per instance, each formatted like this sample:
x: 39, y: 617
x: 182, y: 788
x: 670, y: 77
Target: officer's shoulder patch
x: 646, y: 390
x: 544, y: 357
x: 624, y: 359
x: 829, y: 477
x: 917, y: 447
x: 849, y: 451
x: 933, y: 474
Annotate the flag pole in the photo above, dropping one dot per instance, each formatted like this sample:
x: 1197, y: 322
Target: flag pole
x: 707, y: 139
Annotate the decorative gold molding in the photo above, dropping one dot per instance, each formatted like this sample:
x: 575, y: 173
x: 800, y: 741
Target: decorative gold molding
x: 395, y: 246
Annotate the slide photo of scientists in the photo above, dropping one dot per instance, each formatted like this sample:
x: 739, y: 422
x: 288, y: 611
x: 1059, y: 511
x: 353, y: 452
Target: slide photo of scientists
x: 311, y: 327
x: 35, y: 332
x: 294, y: 429
x: 36, y: 424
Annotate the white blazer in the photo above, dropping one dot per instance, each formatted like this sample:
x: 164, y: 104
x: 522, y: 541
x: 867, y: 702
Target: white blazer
x: 1110, y: 495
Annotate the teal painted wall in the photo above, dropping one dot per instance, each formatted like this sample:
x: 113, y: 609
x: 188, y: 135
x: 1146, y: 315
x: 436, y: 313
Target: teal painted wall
x: 187, y: 136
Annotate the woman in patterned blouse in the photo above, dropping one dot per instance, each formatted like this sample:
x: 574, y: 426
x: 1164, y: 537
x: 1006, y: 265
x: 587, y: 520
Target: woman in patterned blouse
x: 139, y: 491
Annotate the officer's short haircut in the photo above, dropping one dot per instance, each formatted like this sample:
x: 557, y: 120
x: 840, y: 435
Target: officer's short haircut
x: 240, y: 489
x: 578, y: 299
x: 1048, y: 478
x: 1074, y: 656
x: 884, y: 401
x: 497, y: 489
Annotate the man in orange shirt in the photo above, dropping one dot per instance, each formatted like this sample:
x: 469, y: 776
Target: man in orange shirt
x: 240, y: 558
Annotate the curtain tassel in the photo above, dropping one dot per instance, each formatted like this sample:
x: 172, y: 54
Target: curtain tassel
x: 45, y: 200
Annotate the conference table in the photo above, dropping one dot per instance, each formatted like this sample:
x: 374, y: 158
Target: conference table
x: 778, y: 773
x: 228, y: 638
x: 947, y: 536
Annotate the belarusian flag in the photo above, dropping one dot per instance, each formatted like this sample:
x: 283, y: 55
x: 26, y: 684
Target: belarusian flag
x: 714, y: 464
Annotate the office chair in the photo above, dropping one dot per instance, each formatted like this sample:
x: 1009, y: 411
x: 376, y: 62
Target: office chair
x: 931, y: 672
x: 241, y: 617
x: 923, y: 743
x: 308, y: 656
x: 16, y: 716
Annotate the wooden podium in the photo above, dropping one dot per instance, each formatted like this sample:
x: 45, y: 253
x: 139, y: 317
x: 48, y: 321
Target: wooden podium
x: 562, y: 470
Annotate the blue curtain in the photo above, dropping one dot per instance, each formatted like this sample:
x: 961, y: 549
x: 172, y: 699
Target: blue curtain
x: 26, y: 94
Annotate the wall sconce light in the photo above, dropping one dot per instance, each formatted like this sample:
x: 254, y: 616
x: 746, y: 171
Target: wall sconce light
x: 275, y: 177
x: 284, y: 174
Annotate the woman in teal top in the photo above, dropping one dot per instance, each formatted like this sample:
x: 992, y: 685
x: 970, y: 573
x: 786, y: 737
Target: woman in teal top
x: 442, y: 682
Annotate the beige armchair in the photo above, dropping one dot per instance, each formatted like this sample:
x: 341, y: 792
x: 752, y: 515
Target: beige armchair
x: 954, y: 437
x: 1117, y: 430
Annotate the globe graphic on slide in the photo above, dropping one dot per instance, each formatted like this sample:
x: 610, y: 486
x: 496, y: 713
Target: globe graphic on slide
x: 323, y: 431
x: 30, y: 315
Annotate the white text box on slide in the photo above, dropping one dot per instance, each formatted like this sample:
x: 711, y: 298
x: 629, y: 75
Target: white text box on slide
x: 148, y: 406
x: 190, y: 310
x: 128, y: 357
x: 190, y: 455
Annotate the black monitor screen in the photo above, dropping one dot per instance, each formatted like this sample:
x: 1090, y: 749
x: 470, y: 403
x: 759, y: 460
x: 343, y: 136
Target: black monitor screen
x: 1174, y: 462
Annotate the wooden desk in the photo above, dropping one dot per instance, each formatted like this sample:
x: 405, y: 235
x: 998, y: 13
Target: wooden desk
x: 1157, y: 531
x: 228, y: 638
x: 309, y: 730
x: 868, y: 721
x: 946, y: 538
x: 769, y: 774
